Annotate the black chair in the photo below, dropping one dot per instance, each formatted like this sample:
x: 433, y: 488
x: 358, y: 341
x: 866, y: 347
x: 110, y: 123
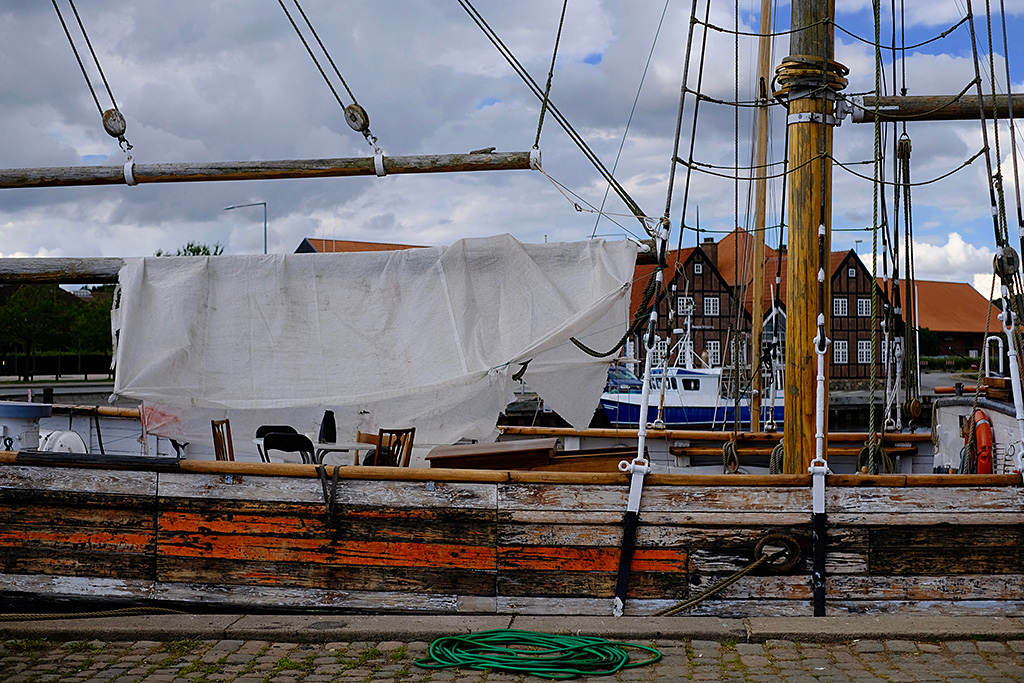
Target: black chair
x: 263, y: 430
x: 289, y: 443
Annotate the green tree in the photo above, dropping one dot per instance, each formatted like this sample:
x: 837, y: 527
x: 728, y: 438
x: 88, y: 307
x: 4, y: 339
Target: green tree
x: 35, y: 318
x: 194, y: 249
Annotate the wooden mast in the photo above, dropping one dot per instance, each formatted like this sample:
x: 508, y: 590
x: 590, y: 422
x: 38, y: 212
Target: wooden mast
x: 760, y: 158
x: 807, y: 77
x: 260, y: 170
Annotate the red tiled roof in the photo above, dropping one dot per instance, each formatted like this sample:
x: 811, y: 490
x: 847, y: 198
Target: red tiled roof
x: 742, y: 242
x: 953, y: 307
x: 324, y: 246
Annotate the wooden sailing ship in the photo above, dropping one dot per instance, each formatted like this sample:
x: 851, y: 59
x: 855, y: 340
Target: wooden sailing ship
x: 251, y: 535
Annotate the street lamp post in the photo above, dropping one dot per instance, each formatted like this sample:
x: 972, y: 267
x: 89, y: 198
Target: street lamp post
x: 264, y: 205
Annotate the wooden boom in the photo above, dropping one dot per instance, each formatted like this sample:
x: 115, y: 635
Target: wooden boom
x: 67, y: 176
x: 932, y: 108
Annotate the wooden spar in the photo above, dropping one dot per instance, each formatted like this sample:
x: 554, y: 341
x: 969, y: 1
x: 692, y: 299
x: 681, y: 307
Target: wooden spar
x: 810, y: 205
x: 40, y: 271
x: 931, y: 108
x: 67, y: 176
x: 760, y: 158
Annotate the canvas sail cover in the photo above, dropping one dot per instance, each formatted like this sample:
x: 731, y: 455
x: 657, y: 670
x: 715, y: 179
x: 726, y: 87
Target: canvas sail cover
x: 428, y: 338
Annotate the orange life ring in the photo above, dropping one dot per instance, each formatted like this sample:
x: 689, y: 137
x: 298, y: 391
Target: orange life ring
x: 982, y: 441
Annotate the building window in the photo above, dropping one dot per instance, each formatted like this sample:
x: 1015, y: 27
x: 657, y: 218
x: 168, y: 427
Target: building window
x: 864, y: 351
x: 659, y: 351
x: 863, y: 307
x: 885, y: 353
x: 839, y: 307
x: 684, y: 305
x: 698, y: 267
x: 711, y: 306
x: 852, y: 272
x: 714, y: 349
x: 839, y: 353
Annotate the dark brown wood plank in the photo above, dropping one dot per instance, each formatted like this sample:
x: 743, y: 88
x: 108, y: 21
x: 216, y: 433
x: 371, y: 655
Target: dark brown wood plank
x: 215, y: 571
x: 946, y: 550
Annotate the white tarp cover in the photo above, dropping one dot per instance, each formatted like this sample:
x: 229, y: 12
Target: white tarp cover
x: 420, y: 337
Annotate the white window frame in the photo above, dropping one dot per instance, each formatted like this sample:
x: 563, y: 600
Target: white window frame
x: 840, y: 352
x: 714, y: 349
x: 659, y: 351
x: 840, y: 307
x: 864, y: 351
x: 698, y: 268
x: 684, y: 305
x: 863, y: 307
x: 851, y: 272
x: 712, y: 307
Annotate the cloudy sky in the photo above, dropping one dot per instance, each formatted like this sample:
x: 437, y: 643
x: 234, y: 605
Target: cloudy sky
x: 227, y: 80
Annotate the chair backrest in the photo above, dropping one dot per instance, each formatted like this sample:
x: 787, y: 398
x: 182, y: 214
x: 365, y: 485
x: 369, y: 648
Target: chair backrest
x: 263, y: 430
x: 223, y: 448
x: 365, y: 437
x: 399, y: 441
x: 290, y: 443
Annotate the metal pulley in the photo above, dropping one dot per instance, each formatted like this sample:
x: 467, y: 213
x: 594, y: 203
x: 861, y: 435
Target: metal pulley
x: 357, y: 118
x: 1006, y: 262
x: 113, y: 123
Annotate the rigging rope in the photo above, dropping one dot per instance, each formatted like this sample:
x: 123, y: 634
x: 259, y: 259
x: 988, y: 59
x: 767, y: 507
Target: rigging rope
x: 551, y: 75
x: 537, y: 654
x: 629, y: 120
x: 113, y: 120
x: 355, y: 114
x: 940, y: 36
x: 524, y: 75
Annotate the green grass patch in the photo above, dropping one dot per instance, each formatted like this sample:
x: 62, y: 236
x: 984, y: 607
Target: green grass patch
x: 26, y: 644
x: 180, y: 647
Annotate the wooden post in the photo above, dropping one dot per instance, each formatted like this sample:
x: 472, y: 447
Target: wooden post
x: 810, y: 204
x: 764, y: 77
x: 260, y: 170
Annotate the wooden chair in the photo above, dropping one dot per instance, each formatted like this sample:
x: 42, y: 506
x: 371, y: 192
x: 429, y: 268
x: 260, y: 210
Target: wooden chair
x: 398, y: 443
x: 222, y: 445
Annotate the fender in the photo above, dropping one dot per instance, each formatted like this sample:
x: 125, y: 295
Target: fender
x: 982, y: 440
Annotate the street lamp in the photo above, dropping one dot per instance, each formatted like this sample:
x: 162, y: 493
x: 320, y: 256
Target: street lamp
x: 264, y: 205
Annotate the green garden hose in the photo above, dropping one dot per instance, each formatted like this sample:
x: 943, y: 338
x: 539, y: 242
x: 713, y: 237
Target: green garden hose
x: 537, y: 654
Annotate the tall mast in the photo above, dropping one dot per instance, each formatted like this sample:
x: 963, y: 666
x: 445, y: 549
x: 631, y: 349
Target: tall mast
x: 760, y: 157
x: 809, y: 78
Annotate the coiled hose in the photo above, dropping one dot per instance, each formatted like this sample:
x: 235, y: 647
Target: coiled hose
x: 538, y: 654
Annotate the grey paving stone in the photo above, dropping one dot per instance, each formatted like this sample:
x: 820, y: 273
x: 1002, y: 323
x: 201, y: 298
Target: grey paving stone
x: 991, y: 646
x: 961, y: 646
x: 863, y: 646
x: 900, y: 646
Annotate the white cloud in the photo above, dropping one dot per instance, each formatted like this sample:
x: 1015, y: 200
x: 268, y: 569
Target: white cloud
x: 229, y: 80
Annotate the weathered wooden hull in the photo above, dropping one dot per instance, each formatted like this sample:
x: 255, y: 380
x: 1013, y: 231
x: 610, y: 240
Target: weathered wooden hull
x: 247, y: 536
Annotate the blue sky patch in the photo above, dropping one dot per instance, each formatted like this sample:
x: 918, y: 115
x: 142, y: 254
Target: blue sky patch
x: 94, y: 158
x: 487, y: 102
x: 592, y: 58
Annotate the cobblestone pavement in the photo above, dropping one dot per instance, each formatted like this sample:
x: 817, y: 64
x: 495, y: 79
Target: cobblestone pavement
x: 250, y: 661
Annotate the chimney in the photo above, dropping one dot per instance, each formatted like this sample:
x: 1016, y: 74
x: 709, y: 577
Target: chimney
x: 710, y: 247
